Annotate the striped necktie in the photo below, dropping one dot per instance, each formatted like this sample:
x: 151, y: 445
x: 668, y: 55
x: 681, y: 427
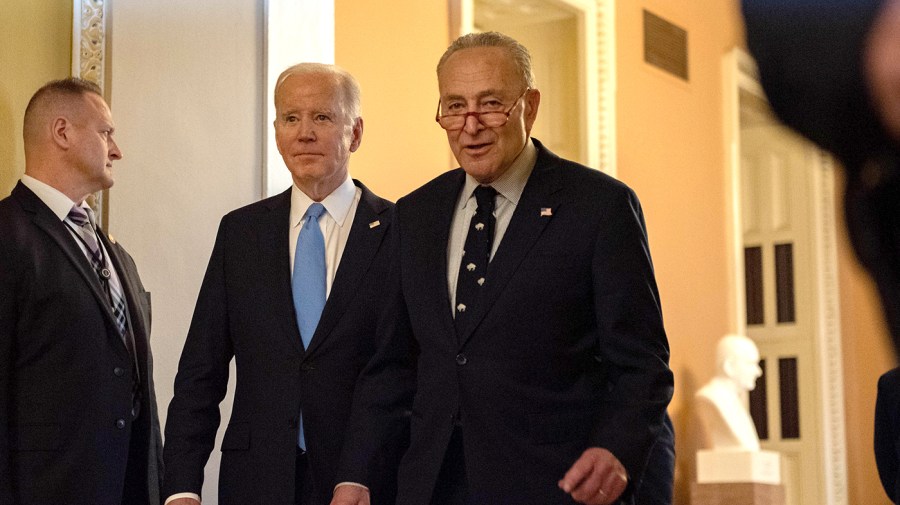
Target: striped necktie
x: 83, y: 219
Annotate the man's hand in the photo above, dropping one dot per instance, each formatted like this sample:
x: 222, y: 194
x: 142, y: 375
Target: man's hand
x: 184, y: 501
x: 350, y: 495
x: 597, y: 478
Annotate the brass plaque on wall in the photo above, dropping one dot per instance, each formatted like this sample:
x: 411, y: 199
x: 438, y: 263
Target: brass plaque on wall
x: 665, y: 45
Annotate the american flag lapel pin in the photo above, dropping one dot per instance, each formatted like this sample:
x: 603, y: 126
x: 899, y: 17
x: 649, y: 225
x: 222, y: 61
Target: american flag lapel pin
x: 546, y: 212
x: 373, y: 224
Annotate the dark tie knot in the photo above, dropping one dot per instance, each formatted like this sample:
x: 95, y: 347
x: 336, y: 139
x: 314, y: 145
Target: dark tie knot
x: 484, y: 195
x: 315, y: 211
x: 81, y: 215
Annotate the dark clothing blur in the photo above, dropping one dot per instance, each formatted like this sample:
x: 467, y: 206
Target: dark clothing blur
x: 810, y: 57
x: 887, y: 432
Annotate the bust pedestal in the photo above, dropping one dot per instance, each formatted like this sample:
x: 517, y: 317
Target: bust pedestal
x: 738, y: 478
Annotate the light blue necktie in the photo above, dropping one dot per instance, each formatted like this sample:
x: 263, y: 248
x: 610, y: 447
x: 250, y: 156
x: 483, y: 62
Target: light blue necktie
x: 308, y: 281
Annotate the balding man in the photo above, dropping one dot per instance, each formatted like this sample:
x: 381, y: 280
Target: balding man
x: 291, y: 295
x: 78, y: 420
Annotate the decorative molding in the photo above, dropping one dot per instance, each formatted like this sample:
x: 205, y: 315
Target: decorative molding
x: 828, y: 332
x: 606, y: 73
x: 89, y: 43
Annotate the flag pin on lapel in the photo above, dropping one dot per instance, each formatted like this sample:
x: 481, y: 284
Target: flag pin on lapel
x: 546, y: 211
x: 373, y: 224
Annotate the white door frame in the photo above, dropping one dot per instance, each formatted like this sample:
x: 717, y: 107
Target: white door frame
x: 739, y: 73
x: 597, y: 53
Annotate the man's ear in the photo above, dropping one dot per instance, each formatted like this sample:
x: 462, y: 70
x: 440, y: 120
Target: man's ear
x: 60, y: 132
x: 532, y: 102
x: 356, y: 140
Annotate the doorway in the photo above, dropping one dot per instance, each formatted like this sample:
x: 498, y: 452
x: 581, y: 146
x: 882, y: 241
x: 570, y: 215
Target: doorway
x: 573, y: 56
x: 785, y: 289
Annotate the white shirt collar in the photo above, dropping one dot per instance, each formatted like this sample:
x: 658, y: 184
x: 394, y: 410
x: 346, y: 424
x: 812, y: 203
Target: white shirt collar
x: 59, y: 203
x: 337, y: 204
x: 511, y: 184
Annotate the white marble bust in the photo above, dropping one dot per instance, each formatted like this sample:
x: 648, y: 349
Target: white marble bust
x: 721, y: 403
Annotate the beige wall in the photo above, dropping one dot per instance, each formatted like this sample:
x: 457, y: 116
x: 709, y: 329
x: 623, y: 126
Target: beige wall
x: 393, y: 57
x: 187, y: 101
x: 670, y: 142
x: 35, y: 47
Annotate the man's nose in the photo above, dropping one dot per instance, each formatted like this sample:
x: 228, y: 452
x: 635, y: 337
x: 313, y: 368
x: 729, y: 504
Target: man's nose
x: 472, y: 125
x: 114, y: 152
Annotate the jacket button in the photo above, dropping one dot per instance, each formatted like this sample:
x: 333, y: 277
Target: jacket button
x: 306, y: 367
x: 461, y: 359
x: 120, y: 423
x: 119, y: 371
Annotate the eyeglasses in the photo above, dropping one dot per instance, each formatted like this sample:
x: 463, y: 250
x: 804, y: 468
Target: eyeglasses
x: 490, y: 119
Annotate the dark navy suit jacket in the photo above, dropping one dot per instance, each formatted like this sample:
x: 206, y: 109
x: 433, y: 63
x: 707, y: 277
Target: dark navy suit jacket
x: 245, y: 311
x: 564, y: 350
x: 65, y: 374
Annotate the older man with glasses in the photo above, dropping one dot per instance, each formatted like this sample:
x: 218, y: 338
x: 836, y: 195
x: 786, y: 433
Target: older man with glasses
x: 524, y: 335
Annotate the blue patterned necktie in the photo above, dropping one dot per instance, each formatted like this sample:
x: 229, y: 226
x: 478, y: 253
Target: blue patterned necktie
x: 83, y: 219
x: 476, y: 256
x: 308, y: 281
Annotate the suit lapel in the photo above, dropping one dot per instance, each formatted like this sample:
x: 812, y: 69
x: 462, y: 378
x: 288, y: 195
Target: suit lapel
x: 429, y: 255
x: 540, y: 197
x: 369, y: 226
x: 274, y: 254
x: 44, y: 219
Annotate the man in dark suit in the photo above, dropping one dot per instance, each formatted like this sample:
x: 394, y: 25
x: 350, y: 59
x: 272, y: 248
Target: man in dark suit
x: 78, y: 419
x: 524, y: 333
x: 263, y: 303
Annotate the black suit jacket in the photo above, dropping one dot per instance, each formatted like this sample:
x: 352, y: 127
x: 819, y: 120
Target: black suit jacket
x: 887, y: 433
x: 245, y: 311
x: 65, y: 374
x: 565, y: 349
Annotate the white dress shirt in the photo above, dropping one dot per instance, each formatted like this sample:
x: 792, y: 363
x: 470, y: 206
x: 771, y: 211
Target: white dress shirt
x: 60, y: 205
x: 340, y: 209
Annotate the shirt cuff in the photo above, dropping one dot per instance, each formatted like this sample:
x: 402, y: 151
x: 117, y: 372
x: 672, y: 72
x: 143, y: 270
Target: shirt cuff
x: 354, y: 484
x: 185, y: 495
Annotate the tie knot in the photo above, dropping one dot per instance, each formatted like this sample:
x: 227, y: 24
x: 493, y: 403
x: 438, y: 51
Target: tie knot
x: 81, y: 215
x: 484, y: 195
x: 315, y: 210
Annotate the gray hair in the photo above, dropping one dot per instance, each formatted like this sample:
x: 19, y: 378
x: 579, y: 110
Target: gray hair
x: 343, y: 80
x: 518, y: 52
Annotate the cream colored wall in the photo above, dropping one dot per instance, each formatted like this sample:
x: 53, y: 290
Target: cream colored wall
x: 393, y: 53
x: 187, y: 100
x: 671, y: 151
x: 35, y: 47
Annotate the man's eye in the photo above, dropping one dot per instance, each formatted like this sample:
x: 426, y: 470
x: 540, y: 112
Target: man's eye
x: 322, y: 117
x: 492, y: 104
x: 455, y: 107
x: 290, y: 119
